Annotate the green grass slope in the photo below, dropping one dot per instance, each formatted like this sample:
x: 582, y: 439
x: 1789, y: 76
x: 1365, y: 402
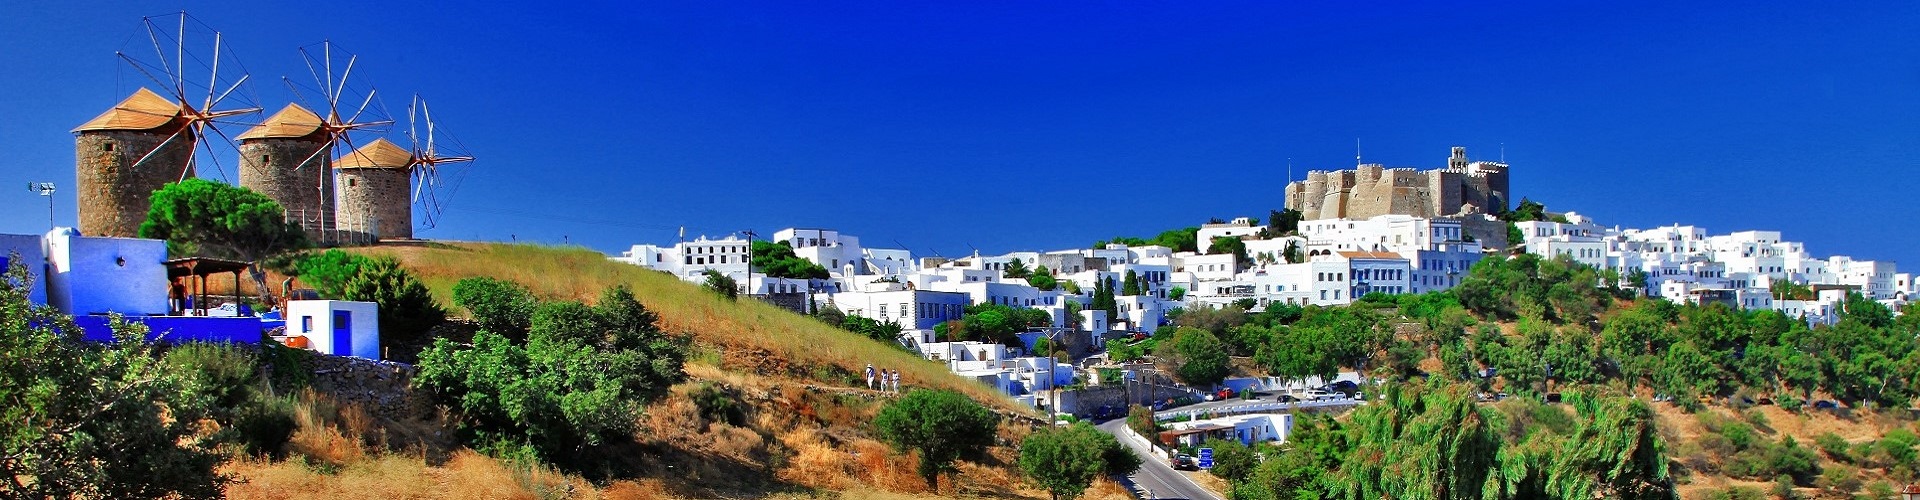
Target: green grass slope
x: 749, y: 335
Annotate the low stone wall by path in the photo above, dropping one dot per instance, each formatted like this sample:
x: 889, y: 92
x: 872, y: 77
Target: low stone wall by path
x: 382, y: 389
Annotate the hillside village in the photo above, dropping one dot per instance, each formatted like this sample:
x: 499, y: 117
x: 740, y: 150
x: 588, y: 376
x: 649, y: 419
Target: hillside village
x: 1392, y: 247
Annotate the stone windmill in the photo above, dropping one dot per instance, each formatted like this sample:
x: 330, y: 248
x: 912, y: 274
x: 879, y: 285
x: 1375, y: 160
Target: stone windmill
x: 289, y: 156
x: 152, y: 138
x: 382, y: 184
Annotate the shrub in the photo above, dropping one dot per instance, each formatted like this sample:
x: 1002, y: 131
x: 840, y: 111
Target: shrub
x: 1834, y: 446
x: 1897, y: 445
x: 499, y: 306
x: 717, y: 405
x: 943, y: 425
x: 1739, y: 434
x: 264, y: 426
x: 1790, y: 459
x: 722, y: 284
x: 1757, y: 419
x: 580, y: 380
x: 1064, y: 461
x: 407, y: 310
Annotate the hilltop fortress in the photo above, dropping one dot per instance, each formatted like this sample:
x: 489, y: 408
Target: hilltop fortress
x: 1369, y: 190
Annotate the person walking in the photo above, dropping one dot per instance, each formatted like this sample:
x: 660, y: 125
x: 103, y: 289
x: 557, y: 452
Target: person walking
x: 870, y: 375
x: 896, y: 381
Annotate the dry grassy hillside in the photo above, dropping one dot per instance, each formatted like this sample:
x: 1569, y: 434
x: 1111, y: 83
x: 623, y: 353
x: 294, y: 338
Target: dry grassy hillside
x: 750, y: 336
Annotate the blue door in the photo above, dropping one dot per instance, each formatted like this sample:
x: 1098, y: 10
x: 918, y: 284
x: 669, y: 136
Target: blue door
x: 342, y: 333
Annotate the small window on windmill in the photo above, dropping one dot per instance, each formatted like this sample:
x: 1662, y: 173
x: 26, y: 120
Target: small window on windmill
x: 263, y: 159
x: 106, y: 146
x: 353, y: 182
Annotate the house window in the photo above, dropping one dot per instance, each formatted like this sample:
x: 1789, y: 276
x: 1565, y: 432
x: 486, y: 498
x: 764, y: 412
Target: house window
x: 306, y: 324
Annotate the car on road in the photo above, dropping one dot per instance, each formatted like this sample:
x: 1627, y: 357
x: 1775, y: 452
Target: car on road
x: 1825, y: 404
x: 1183, y: 462
x: 1286, y: 398
x: 1342, y: 386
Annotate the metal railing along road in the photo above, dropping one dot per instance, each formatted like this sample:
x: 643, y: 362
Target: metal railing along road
x: 1252, y: 407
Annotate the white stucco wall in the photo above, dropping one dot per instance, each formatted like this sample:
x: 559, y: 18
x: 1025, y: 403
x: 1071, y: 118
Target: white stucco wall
x: 313, y: 319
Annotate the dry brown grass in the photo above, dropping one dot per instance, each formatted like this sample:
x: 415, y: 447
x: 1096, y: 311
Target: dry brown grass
x: 752, y: 336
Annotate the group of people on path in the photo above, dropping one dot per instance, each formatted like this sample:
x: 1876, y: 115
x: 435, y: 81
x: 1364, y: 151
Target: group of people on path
x: 883, y: 380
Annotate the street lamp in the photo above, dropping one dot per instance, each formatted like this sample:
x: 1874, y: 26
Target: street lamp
x: 44, y: 189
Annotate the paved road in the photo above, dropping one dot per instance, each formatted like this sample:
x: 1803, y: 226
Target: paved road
x: 1154, y: 475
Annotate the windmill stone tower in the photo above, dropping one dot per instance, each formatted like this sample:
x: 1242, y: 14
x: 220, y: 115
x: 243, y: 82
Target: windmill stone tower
x: 289, y: 158
x: 122, y: 156
x: 375, y: 186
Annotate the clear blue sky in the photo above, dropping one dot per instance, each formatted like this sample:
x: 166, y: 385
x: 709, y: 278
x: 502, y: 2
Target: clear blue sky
x: 1007, y: 126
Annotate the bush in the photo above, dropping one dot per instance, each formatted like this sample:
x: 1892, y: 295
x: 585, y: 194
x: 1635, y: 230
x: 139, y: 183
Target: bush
x: 1738, y: 434
x: 722, y: 284
x: 1834, y: 446
x: 717, y: 405
x: 1757, y: 419
x: 407, y: 310
x: 1064, y: 461
x: 264, y: 426
x: 580, y: 381
x: 499, y: 306
x: 943, y: 425
x: 1140, y: 419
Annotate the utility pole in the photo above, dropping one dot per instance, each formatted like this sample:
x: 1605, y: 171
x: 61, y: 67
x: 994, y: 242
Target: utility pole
x: 749, y: 284
x: 44, y: 189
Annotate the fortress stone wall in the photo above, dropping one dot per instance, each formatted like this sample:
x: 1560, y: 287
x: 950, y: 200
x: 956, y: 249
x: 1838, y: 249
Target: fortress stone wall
x: 1371, y: 190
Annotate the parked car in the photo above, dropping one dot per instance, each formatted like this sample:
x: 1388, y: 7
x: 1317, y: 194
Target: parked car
x: 1343, y: 386
x: 1825, y: 404
x: 1184, y: 462
x: 1286, y: 398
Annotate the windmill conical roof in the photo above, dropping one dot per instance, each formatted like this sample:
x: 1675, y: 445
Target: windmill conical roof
x: 377, y: 154
x: 144, y: 110
x: 292, y: 121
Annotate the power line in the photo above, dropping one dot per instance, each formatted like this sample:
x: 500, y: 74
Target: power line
x: 575, y: 220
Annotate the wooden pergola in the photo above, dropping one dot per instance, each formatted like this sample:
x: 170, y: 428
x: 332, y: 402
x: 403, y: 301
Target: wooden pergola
x: 197, y: 269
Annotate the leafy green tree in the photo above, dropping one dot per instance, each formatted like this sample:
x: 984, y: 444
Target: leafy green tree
x: 499, y: 306
x: 1527, y: 210
x: 1232, y: 460
x: 722, y: 284
x: 579, y: 382
x: 202, y: 217
x: 85, y: 420
x: 1131, y: 285
x: 888, y: 332
x: 943, y: 425
x: 777, y: 259
x: 1229, y: 245
x: 1617, y: 453
x: 1016, y: 269
x: 1200, y: 357
x: 831, y: 315
x: 329, y: 271
x: 1064, y: 461
x: 1177, y: 293
x: 1283, y: 222
x: 1043, y: 279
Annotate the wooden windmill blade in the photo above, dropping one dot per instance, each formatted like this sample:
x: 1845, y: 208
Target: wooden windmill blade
x: 438, y: 165
x: 321, y: 59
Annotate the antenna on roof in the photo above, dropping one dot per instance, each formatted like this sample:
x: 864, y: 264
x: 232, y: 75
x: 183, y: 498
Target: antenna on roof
x: 1289, y: 168
x: 1356, y: 152
x: 1503, y: 152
